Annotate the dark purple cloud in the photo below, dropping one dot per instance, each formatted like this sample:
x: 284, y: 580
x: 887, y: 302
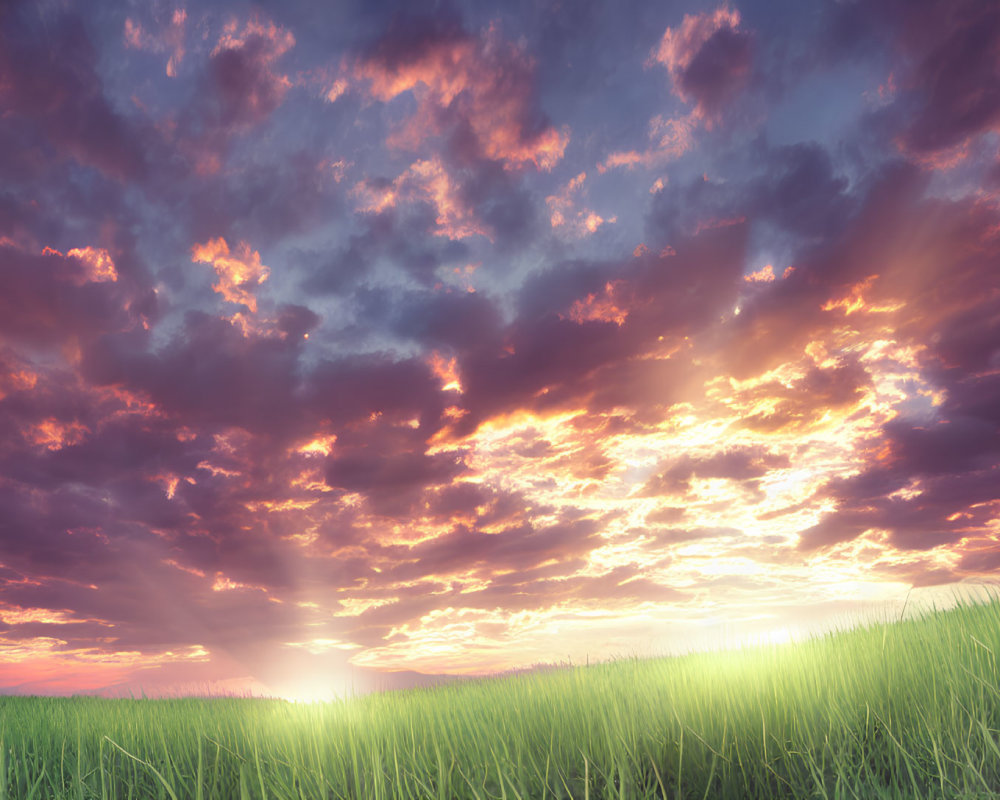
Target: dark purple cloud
x: 948, y: 85
x: 51, y: 92
x: 709, y: 57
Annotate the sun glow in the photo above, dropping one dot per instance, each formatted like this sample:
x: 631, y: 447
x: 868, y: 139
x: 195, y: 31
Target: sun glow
x: 777, y: 636
x: 309, y: 691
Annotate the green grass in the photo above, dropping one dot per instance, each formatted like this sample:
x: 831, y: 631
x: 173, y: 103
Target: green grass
x: 900, y: 710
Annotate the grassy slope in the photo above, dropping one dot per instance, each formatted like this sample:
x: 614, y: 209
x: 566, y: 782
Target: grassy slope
x: 903, y: 710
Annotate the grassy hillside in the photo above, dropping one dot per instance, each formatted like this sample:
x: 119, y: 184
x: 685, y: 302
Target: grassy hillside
x: 903, y: 710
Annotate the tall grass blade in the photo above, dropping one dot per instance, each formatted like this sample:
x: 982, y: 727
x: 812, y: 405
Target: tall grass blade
x: 146, y: 764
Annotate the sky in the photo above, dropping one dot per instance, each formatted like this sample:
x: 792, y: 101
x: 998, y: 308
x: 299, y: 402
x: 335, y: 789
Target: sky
x: 364, y: 341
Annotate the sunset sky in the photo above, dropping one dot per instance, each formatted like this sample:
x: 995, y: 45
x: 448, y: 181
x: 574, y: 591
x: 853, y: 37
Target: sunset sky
x: 339, y: 339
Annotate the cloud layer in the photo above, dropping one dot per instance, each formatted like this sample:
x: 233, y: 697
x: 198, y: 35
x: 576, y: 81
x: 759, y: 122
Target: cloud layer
x: 405, y: 353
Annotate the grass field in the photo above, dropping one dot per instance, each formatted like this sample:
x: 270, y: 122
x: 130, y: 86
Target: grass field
x: 900, y: 710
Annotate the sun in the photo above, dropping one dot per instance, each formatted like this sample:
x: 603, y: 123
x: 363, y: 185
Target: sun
x: 777, y: 636
x: 309, y: 691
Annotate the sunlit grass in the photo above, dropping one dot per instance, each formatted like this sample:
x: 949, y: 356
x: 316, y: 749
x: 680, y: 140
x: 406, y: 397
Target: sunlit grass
x: 899, y: 710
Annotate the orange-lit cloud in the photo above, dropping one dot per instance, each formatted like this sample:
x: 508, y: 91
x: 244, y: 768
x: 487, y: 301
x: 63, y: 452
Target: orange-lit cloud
x: 715, y: 507
x: 429, y: 181
x: 708, y: 58
x: 278, y: 41
x: 245, y: 73
x: 624, y: 158
x: 336, y: 90
x: 680, y: 49
x: 170, y: 38
x: 764, y: 275
x: 97, y: 264
x: 854, y: 301
x: 446, y: 372
x: 375, y: 198
x: 239, y: 272
x: 677, y: 48
x: 565, y: 216
x: 53, y: 434
x: 484, y: 81
x: 454, y: 219
x: 17, y: 381
x: 600, y: 307
x: 670, y: 138
x: 321, y: 445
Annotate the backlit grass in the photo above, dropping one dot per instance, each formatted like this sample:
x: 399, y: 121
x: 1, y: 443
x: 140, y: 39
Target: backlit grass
x: 900, y: 710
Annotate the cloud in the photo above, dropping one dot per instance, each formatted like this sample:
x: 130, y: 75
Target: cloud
x: 170, y: 38
x: 248, y: 87
x: 518, y: 548
x: 478, y: 91
x: 934, y: 99
x: 669, y: 138
x: 50, y: 297
x: 798, y: 403
x: 928, y: 481
x: 565, y: 216
x: 98, y: 266
x: 576, y: 329
x: 214, y: 372
x: 238, y: 272
x: 460, y: 207
x: 802, y: 192
x: 52, y: 89
x: 452, y: 321
x: 236, y: 88
x: 263, y: 201
x: 708, y: 58
x: 425, y: 181
x: 947, y: 94
x: 741, y: 464
x: 390, y: 466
